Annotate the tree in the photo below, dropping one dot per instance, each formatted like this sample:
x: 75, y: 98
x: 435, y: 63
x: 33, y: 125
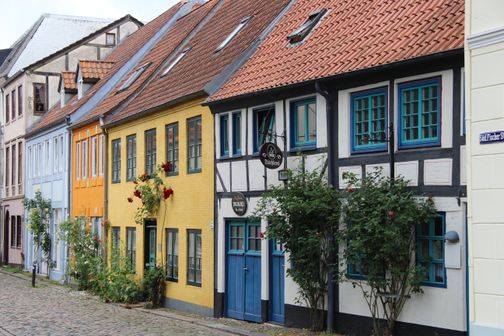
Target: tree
x: 379, y: 238
x: 39, y: 218
x: 302, y: 217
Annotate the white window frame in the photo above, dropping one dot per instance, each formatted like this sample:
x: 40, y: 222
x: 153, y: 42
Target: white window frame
x: 55, y: 154
x: 28, y: 162
x: 48, y: 156
x: 175, y: 62
x: 101, y: 155
x: 85, y: 159
x: 233, y: 34
x: 93, y: 156
x: 58, y: 216
x: 77, y: 160
x: 40, y: 167
x: 61, y: 153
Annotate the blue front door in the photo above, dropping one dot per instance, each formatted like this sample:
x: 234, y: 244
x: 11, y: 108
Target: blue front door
x: 243, y: 275
x: 277, y: 281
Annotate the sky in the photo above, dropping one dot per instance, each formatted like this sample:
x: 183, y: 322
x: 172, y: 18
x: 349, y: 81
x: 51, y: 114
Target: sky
x: 18, y: 16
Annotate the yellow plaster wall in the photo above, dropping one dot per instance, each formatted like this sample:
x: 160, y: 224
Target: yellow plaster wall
x: 191, y: 206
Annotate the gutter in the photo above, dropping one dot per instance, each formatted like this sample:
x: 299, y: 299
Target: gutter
x: 105, y: 192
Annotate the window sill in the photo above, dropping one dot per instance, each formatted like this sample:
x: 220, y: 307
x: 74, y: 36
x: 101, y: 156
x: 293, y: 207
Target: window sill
x: 171, y: 280
x: 419, y: 145
x: 116, y: 182
x: 193, y: 284
x: 172, y: 174
x: 195, y: 171
x: 303, y: 148
x: 369, y: 151
x: 434, y: 285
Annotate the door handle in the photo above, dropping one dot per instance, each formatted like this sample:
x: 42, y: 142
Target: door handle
x: 245, y: 269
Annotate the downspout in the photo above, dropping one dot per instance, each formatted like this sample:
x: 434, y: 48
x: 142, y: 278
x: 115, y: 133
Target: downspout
x: 333, y: 286
x: 105, y: 183
x: 69, y: 197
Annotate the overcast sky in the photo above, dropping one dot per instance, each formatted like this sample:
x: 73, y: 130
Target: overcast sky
x: 17, y: 16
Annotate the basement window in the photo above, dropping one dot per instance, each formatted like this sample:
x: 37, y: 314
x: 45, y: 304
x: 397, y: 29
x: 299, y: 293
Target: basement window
x: 134, y: 76
x: 300, y: 34
x: 175, y: 62
x: 233, y: 33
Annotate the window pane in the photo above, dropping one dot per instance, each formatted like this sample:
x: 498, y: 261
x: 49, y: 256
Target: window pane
x: 300, y: 122
x: 312, y: 122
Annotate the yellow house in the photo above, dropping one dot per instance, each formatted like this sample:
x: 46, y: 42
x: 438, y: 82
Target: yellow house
x: 165, y: 121
x: 184, y: 221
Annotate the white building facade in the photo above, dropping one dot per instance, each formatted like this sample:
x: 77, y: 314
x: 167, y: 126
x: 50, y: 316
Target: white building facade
x: 485, y: 148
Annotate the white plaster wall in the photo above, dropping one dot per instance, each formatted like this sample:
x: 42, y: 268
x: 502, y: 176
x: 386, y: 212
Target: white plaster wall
x: 437, y: 307
x: 223, y: 171
x: 438, y: 172
x: 409, y: 171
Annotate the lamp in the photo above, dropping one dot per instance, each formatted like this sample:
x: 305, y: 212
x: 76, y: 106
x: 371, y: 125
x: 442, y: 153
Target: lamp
x: 452, y: 237
x: 283, y: 175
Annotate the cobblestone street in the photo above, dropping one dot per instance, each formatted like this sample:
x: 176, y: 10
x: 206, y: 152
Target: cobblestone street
x: 53, y: 310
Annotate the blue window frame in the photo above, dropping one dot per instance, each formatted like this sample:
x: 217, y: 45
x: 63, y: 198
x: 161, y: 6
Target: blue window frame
x: 244, y: 237
x: 224, y: 138
x: 369, y: 111
x: 420, y: 113
x: 237, y: 134
x: 430, y: 250
x: 355, y: 271
x: 304, y: 123
x: 264, y: 126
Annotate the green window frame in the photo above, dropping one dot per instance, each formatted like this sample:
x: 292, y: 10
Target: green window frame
x: 194, y: 146
x: 172, y: 255
x: 194, y: 260
x: 150, y: 151
x: 369, y: 120
x: 131, y: 248
x: 172, y: 147
x: 303, y: 123
x: 264, y: 126
x: 224, y: 136
x: 236, y: 127
x: 420, y: 113
x: 431, y: 250
x: 131, y: 157
x: 115, y: 247
x: 116, y: 161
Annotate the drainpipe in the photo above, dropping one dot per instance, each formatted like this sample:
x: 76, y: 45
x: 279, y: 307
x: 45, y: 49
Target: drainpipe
x: 105, y: 185
x: 333, y: 287
x: 69, y: 197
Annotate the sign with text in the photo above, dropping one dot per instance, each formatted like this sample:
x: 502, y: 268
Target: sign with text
x: 270, y: 155
x: 239, y: 204
x: 491, y: 137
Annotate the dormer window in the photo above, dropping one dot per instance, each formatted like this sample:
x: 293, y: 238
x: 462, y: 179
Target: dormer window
x: 300, y: 34
x: 134, y: 76
x: 233, y: 33
x: 110, y: 39
x: 175, y: 62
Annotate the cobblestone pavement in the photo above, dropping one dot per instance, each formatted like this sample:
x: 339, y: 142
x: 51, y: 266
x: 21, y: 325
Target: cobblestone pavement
x: 53, y: 310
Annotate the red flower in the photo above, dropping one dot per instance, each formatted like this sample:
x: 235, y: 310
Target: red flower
x: 167, y: 193
x: 144, y: 177
x: 137, y: 193
x: 135, y: 182
x: 166, y: 166
x: 95, y: 238
x: 350, y: 189
x: 130, y: 199
x: 261, y: 235
x: 391, y: 214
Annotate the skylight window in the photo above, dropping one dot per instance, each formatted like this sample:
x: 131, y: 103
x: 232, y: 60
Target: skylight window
x: 233, y: 33
x: 175, y: 62
x: 134, y: 76
x: 300, y: 34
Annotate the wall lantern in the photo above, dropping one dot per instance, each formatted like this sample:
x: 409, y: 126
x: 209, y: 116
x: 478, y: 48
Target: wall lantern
x: 452, y: 237
x: 283, y: 175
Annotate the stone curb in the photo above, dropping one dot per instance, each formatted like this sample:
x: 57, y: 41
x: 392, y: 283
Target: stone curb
x: 202, y: 323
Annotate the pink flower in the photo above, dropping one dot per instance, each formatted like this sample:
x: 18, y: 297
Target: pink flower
x: 350, y: 190
x: 261, y: 235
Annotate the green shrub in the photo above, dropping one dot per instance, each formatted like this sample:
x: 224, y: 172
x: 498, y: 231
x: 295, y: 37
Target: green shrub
x: 153, y: 285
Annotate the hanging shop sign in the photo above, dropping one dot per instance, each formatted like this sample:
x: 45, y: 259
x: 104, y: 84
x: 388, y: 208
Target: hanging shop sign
x: 491, y: 137
x: 239, y: 204
x: 271, y: 156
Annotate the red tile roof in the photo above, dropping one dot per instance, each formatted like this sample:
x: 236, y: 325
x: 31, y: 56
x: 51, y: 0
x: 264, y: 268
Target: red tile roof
x: 353, y: 35
x: 202, y: 64
x: 68, y: 78
x: 92, y: 70
x: 166, y: 46
x: 120, y: 55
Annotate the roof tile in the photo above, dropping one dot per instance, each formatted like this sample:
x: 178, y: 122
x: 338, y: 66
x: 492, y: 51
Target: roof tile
x: 93, y: 70
x: 354, y: 35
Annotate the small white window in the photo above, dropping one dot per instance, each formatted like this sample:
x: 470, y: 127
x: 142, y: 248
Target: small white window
x: 48, y: 156
x: 93, y: 156
x: 40, y: 166
x: 85, y: 159
x: 175, y: 62
x: 61, y: 155
x: 77, y: 160
x: 134, y: 76
x: 233, y: 34
x: 56, y: 154
x: 101, y: 154
x: 28, y: 162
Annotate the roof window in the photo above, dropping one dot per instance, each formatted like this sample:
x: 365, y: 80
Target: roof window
x: 300, y: 34
x: 175, y: 62
x: 233, y: 33
x: 134, y: 76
